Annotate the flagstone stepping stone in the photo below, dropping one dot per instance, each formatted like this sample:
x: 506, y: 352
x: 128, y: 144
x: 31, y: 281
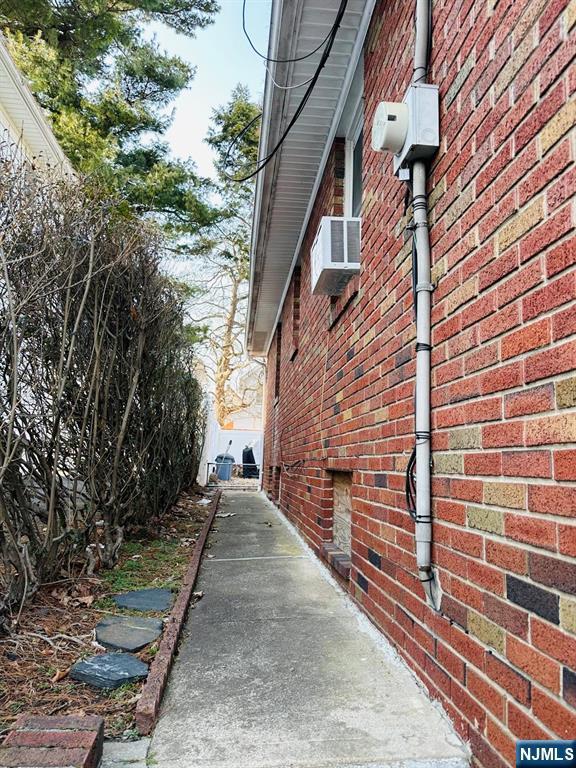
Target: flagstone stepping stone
x: 145, y: 600
x: 109, y: 670
x: 127, y: 633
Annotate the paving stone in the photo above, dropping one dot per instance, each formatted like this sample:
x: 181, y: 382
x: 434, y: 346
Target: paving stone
x: 127, y: 633
x: 145, y: 600
x: 125, y: 754
x: 109, y: 670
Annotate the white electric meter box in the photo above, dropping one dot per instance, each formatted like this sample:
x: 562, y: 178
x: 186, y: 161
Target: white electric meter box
x: 423, y: 129
x: 335, y: 254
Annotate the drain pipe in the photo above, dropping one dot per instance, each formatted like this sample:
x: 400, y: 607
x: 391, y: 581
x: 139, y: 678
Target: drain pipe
x: 423, y: 518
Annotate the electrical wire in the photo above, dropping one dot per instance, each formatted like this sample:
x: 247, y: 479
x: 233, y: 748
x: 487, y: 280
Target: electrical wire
x: 411, y: 484
x: 267, y: 58
x: 287, y: 87
x: 325, y: 54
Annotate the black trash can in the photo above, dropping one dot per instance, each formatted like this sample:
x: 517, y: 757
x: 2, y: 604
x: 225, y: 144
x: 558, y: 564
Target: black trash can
x: 249, y: 468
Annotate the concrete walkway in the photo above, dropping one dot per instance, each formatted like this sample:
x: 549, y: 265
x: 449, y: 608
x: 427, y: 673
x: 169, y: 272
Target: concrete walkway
x: 277, y: 669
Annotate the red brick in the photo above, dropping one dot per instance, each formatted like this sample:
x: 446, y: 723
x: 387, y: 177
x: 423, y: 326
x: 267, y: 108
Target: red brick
x: 466, y: 646
x: 539, y: 116
x: 504, y: 377
x: 513, y: 682
x: 538, y: 239
x: 553, y: 642
x: 41, y: 757
x: 551, y: 362
x: 554, y: 294
x: 559, y: 718
x: 503, y: 435
x: 481, y: 358
x: 59, y: 723
x: 552, y: 500
x: 467, y: 594
x: 483, y: 463
x: 564, y: 323
x: 486, y: 577
x: 533, y: 663
x: 501, y: 741
x: 500, y: 322
x: 468, y: 706
x: 527, y: 338
x: 495, y: 342
x: 567, y: 540
x: 468, y: 490
x: 498, y: 268
x: 483, y: 752
x: 520, y: 283
x: 523, y: 725
x: 527, y: 463
x: 451, y: 663
x: 553, y: 572
x: 529, y: 401
x: 485, y: 692
x: 561, y: 257
x: 62, y: 739
x: 511, y: 618
x: 551, y: 167
x: 531, y: 530
x: 562, y: 190
x: 509, y: 557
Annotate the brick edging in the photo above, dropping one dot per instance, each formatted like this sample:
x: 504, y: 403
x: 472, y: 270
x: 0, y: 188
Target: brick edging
x: 149, y: 702
x: 40, y: 741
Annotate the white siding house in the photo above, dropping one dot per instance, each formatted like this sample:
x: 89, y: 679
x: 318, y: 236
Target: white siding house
x: 22, y: 121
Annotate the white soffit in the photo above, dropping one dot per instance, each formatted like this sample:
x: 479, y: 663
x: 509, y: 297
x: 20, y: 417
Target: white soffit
x: 286, y: 187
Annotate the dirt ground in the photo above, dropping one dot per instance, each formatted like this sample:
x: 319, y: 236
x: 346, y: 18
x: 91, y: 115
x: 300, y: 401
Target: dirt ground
x: 57, y: 627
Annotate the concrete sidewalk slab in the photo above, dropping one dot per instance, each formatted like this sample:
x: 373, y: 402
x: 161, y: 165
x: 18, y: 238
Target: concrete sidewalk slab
x: 277, y: 669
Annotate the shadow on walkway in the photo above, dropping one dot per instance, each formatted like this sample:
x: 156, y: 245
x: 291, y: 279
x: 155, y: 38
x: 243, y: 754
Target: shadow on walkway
x: 277, y: 669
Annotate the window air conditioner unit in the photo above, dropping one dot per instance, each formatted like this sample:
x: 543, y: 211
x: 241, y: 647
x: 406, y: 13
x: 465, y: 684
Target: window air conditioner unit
x: 335, y: 254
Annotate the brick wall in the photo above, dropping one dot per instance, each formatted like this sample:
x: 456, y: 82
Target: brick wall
x: 502, y: 655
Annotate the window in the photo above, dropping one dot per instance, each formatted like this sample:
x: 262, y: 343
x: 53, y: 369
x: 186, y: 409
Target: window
x: 278, y: 362
x: 295, y: 312
x: 342, y: 521
x: 353, y: 171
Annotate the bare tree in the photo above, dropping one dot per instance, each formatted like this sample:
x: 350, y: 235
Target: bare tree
x: 225, y: 251
x: 100, y: 415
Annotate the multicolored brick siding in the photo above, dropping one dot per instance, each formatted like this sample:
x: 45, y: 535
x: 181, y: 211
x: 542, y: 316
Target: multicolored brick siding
x: 501, y: 657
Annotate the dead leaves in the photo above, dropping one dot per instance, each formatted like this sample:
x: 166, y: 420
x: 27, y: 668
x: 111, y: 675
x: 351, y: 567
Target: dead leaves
x: 60, y: 675
x: 76, y: 593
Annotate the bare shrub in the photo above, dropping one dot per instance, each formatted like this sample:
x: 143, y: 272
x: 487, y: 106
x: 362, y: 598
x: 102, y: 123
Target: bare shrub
x: 100, y: 416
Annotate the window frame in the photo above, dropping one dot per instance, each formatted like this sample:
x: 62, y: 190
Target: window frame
x: 352, y: 136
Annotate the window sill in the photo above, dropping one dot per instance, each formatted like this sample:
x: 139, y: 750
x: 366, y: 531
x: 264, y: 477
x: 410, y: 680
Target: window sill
x: 340, y: 561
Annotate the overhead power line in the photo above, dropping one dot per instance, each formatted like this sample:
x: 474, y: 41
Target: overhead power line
x: 329, y: 42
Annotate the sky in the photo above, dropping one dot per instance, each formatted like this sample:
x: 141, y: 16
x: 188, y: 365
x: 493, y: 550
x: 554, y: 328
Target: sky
x: 223, y: 59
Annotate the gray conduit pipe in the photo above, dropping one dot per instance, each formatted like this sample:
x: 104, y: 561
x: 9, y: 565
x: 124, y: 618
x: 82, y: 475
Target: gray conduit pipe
x: 423, y: 350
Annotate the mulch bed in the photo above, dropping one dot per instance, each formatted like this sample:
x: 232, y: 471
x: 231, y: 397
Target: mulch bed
x: 57, y: 627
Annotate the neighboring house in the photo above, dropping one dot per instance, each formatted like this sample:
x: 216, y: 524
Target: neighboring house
x: 22, y: 121
x: 495, y: 642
